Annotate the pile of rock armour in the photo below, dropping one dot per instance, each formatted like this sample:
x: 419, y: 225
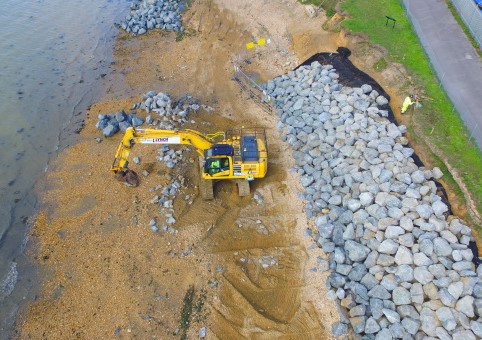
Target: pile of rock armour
x: 401, y: 266
x: 164, y: 113
x: 168, y: 113
x: 149, y: 14
x: 110, y: 124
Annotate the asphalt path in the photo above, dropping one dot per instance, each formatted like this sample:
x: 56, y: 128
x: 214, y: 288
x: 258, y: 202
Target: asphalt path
x: 454, y: 59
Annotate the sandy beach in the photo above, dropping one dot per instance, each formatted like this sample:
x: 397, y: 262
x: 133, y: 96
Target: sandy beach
x: 106, y: 274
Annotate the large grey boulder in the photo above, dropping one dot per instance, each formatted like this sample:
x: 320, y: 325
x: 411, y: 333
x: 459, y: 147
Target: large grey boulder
x: 358, y: 324
x: 466, y: 305
x: 476, y: 327
x: 411, y: 326
x: 401, y: 296
x: 424, y: 211
x: 394, y: 232
x: 356, y: 251
x: 422, y: 275
x: 442, y: 247
x: 404, y: 272
x: 110, y: 130
x: 384, y: 334
x: 403, y: 256
x: 388, y: 247
x: 426, y: 247
x: 420, y: 259
x: 429, y: 321
x: 379, y: 292
x: 137, y: 121
x: 371, y: 326
x: 416, y: 293
x: 437, y: 173
x: 391, y: 315
x: 338, y: 329
x: 446, y: 317
x: 464, y: 334
x: 447, y: 298
x: 456, y: 289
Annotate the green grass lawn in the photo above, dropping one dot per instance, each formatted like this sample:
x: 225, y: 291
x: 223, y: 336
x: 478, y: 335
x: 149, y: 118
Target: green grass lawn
x: 441, y: 124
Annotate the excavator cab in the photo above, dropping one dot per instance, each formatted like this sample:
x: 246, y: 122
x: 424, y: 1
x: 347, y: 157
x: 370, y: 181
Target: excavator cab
x: 217, y: 160
x: 217, y: 165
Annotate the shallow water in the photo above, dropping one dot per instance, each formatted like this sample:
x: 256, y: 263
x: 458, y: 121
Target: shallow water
x: 54, y: 55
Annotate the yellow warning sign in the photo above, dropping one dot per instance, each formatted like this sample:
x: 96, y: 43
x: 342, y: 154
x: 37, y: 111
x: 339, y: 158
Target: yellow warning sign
x: 250, y: 45
x: 260, y: 42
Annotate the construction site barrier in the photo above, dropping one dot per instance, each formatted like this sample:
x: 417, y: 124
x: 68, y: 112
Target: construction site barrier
x: 252, y: 88
x: 472, y: 16
x: 444, y: 82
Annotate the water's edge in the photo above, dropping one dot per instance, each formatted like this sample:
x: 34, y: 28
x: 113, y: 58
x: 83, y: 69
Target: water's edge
x: 19, y: 276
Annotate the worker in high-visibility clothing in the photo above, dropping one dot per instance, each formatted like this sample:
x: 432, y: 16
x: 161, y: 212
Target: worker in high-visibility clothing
x: 216, y: 165
x: 407, y: 102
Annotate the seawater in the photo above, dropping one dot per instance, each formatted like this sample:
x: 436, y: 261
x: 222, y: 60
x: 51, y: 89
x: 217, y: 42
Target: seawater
x: 53, y: 58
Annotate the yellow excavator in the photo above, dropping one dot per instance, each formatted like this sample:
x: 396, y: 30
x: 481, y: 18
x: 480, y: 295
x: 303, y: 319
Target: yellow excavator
x: 241, y: 155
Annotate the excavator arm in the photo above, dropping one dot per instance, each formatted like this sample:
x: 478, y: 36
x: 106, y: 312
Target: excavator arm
x: 151, y: 136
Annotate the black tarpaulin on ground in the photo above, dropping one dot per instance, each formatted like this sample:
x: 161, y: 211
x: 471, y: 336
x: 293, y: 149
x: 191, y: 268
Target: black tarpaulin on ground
x: 349, y: 75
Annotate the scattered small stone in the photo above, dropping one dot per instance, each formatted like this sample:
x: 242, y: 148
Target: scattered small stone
x: 338, y: 329
x: 203, y: 331
x: 258, y: 198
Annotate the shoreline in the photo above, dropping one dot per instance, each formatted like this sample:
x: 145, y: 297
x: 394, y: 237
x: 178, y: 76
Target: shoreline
x: 23, y: 280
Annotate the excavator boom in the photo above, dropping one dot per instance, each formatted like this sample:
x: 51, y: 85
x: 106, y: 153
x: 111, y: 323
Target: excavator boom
x: 151, y: 136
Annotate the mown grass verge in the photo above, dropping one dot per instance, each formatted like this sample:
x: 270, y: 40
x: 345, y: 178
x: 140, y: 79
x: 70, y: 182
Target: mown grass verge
x: 438, y: 123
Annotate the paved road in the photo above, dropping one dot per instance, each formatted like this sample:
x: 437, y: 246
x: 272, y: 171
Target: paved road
x: 455, y: 60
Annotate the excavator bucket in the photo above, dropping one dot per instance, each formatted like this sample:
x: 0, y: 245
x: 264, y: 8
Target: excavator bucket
x: 128, y: 177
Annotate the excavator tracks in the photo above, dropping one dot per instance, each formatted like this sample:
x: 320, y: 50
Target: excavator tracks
x: 206, y: 187
x: 243, y: 187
